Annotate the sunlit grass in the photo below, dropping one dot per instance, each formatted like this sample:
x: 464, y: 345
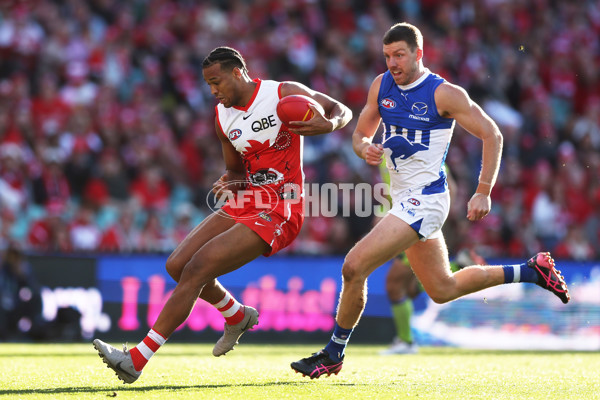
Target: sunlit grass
x: 178, y: 371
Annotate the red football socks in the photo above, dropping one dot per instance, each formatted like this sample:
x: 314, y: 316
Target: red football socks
x: 141, y: 353
x: 230, y: 309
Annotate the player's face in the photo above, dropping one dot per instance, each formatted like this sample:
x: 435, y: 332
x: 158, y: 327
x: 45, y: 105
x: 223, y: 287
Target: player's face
x: 402, y: 62
x: 223, y: 84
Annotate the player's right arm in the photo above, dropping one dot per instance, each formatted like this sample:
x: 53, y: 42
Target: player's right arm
x: 234, y: 166
x: 366, y: 127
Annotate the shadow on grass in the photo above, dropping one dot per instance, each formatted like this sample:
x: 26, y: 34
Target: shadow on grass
x: 44, y: 355
x: 143, y: 388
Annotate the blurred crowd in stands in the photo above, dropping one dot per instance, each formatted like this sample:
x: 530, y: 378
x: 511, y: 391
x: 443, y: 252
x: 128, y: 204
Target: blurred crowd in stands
x: 107, y: 138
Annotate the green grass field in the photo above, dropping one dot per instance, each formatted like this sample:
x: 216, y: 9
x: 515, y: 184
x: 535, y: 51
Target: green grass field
x: 182, y: 371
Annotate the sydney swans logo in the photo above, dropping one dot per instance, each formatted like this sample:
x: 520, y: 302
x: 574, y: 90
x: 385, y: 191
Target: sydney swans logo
x: 264, y: 199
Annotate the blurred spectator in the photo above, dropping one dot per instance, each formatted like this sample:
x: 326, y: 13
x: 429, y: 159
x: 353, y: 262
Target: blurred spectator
x: 323, y: 235
x: 151, y: 189
x: 586, y: 128
x: 7, y: 221
x: 79, y: 90
x: 13, y: 177
x: 592, y: 225
x: 109, y: 183
x: 153, y: 236
x: 51, y: 187
x: 575, y: 245
x: 50, y: 113
x: 183, y: 222
x: 21, y: 37
x: 50, y: 233
x: 82, y: 144
x: 123, y: 235
x: 83, y: 230
x: 549, y: 215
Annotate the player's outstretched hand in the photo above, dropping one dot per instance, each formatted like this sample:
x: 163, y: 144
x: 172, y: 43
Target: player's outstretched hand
x: 373, y: 153
x: 317, y: 125
x: 478, y: 207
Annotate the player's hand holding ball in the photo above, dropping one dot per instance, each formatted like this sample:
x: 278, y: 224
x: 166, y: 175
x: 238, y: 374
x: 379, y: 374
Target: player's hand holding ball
x: 303, y: 115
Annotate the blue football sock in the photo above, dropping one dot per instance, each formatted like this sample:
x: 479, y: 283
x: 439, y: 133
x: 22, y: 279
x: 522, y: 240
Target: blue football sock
x: 338, y: 342
x: 519, y: 273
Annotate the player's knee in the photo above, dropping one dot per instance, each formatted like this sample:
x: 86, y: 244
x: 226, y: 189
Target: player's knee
x: 413, y: 290
x: 174, y: 266
x: 352, y: 271
x: 441, y: 294
x: 439, y: 298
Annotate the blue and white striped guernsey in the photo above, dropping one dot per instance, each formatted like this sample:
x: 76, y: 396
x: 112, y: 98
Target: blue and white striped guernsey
x: 415, y: 137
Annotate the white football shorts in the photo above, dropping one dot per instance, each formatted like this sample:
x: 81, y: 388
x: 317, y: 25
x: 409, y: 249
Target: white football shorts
x: 425, y: 213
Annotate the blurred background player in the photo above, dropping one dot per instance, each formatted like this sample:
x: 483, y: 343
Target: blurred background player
x: 264, y: 175
x: 20, y: 296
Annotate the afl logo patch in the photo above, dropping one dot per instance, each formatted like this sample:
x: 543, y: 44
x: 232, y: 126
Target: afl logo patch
x: 388, y: 103
x: 265, y: 216
x: 414, y: 201
x: 234, y: 134
x: 419, y: 108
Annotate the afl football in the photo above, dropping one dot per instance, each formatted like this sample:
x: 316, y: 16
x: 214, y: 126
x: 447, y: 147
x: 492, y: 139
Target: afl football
x: 295, y: 108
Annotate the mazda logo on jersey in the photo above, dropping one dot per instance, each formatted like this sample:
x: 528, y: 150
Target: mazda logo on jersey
x: 419, y: 108
x: 234, y: 134
x: 388, y: 103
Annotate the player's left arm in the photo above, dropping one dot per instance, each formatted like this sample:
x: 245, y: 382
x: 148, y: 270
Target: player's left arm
x: 453, y: 102
x: 337, y: 115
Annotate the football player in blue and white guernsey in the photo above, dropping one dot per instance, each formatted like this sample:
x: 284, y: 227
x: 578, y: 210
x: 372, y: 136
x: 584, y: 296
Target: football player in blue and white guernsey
x: 418, y: 110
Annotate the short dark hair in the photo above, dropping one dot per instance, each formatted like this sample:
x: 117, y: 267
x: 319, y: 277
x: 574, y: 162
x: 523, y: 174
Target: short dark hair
x: 405, y: 32
x: 228, y: 57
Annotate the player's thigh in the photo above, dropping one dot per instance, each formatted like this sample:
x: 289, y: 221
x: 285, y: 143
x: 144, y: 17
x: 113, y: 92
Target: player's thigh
x: 429, y: 261
x: 388, y: 238
x: 210, y: 227
x: 225, y: 253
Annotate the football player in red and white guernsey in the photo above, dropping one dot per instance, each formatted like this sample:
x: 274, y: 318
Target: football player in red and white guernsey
x: 264, y: 213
